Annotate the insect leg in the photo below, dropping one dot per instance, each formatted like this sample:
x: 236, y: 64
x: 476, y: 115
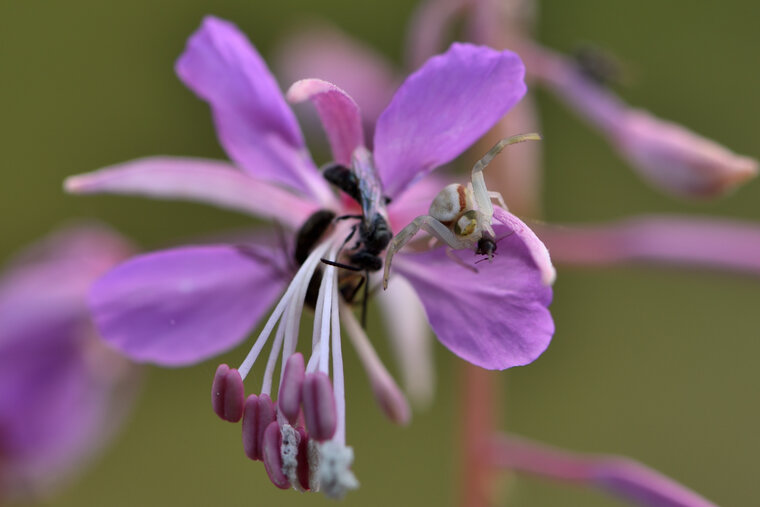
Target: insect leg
x: 341, y: 265
x: 365, y: 299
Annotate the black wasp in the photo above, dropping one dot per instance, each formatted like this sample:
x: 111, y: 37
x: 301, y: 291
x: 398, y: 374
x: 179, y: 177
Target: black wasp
x: 373, y: 231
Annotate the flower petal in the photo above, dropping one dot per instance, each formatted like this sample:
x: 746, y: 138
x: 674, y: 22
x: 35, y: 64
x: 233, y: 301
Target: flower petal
x: 623, y: 477
x: 679, y: 160
x: 56, y: 378
x: 534, y: 245
x: 196, y: 179
x: 668, y: 155
x: 73, y: 258
x: 429, y: 27
x: 181, y: 306
x: 339, y: 114
x: 669, y: 240
x: 496, y: 318
x: 409, y: 334
x: 442, y: 109
x: 254, y: 123
x: 327, y: 53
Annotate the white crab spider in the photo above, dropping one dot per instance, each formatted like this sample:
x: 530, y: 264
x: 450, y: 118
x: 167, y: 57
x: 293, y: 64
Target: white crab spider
x: 460, y: 216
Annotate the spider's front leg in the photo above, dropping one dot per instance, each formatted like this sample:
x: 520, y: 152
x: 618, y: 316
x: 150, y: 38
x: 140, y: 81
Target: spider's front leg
x: 496, y: 196
x: 429, y: 225
x: 479, y: 190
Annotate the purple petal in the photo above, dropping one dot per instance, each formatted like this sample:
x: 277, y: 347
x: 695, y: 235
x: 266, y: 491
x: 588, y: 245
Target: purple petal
x: 496, y: 318
x: 679, y: 160
x: 181, y: 306
x: 195, y: 179
x: 429, y: 28
x: 535, y: 246
x: 254, y: 123
x: 72, y: 259
x: 669, y: 240
x: 329, y: 54
x: 339, y: 114
x: 442, y: 109
x: 55, y: 408
x: 670, y: 156
x: 620, y: 476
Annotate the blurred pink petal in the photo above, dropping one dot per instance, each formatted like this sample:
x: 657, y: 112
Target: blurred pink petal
x: 429, y: 28
x: 339, y: 114
x: 617, y: 475
x: 62, y: 392
x: 669, y: 240
x: 668, y: 155
x: 325, y: 52
x: 679, y: 160
x: 411, y: 339
x: 195, y: 179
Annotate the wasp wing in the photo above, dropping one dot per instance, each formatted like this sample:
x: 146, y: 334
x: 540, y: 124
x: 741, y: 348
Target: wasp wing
x: 370, y: 188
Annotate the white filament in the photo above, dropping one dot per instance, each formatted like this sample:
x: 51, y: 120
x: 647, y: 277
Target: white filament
x: 338, y: 382
x: 303, y: 275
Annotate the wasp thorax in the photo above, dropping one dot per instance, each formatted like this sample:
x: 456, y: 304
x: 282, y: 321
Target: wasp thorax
x: 450, y: 203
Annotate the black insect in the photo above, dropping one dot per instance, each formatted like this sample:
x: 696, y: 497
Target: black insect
x: 307, y: 238
x: 311, y: 232
x: 486, y: 246
x: 373, y: 230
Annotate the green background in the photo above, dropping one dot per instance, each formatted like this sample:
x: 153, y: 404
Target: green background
x: 657, y: 364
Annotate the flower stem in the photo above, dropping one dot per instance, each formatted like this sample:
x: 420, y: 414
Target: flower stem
x: 480, y: 409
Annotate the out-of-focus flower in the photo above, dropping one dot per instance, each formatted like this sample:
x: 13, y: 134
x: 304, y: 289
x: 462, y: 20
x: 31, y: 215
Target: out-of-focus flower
x: 675, y: 241
x: 59, y: 383
x: 622, y: 477
x: 184, y: 305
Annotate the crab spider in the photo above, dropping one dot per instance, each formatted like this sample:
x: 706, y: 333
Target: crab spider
x: 460, y: 216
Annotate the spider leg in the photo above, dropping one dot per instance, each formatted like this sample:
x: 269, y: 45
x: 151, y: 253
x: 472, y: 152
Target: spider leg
x: 345, y: 241
x: 479, y: 183
x: 340, y: 265
x: 429, y: 225
x: 499, y: 199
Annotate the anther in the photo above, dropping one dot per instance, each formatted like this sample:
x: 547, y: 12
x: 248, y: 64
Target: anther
x: 228, y: 393
x: 302, y: 470
x: 271, y: 456
x: 319, y: 406
x: 259, y: 413
x: 289, y: 399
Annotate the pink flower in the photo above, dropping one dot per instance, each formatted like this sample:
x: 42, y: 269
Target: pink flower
x: 187, y: 304
x: 58, y: 382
